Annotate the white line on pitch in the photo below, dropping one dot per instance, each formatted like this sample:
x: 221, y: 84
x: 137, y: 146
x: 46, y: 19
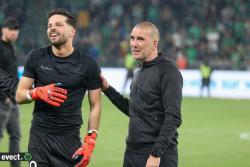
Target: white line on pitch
x: 245, y: 135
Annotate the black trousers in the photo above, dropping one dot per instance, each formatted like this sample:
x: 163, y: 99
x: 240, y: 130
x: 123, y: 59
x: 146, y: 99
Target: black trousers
x: 49, y: 150
x: 133, y: 159
x: 10, y: 120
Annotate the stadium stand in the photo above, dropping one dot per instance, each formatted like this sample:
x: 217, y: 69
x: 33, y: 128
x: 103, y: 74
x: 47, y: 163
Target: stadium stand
x: 210, y: 29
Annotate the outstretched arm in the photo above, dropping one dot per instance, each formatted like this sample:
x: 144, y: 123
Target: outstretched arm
x: 115, y: 97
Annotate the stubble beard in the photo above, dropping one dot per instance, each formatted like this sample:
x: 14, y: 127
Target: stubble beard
x: 61, y: 41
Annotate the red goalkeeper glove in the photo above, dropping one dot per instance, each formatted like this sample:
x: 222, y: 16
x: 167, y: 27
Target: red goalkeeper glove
x: 50, y: 94
x: 83, y: 154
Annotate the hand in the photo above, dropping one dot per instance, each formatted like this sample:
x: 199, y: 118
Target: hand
x: 153, y: 162
x: 105, y: 84
x: 7, y: 100
x: 50, y: 94
x: 84, y: 153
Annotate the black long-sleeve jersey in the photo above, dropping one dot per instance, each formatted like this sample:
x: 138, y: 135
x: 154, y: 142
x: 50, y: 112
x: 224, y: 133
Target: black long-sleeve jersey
x: 154, y: 107
x: 77, y: 73
x: 8, y: 63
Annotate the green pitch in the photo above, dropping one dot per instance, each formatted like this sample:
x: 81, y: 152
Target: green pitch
x: 209, y: 135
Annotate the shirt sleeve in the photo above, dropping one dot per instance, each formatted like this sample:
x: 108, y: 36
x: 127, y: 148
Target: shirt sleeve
x: 93, y: 75
x: 29, y: 70
x: 5, y: 84
x: 8, y: 83
x: 2, y: 57
x: 171, y: 91
x: 118, y: 100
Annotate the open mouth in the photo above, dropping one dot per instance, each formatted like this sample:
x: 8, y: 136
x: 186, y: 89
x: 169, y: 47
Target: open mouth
x: 54, y: 34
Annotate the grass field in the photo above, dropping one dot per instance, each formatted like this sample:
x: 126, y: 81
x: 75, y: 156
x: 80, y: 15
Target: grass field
x: 209, y: 135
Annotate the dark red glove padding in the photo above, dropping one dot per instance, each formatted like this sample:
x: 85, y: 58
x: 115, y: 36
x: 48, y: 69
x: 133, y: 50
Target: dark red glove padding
x: 50, y: 94
x: 86, y: 150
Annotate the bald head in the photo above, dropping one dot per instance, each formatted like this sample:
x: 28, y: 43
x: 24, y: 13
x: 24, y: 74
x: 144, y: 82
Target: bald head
x: 144, y: 40
x: 150, y: 26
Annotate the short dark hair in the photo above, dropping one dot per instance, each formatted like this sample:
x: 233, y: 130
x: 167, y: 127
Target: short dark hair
x: 71, y: 20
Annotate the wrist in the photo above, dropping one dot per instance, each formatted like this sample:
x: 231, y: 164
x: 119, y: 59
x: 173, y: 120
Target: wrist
x: 33, y: 93
x: 108, y: 90
x: 156, y: 153
x: 92, y: 131
x: 104, y: 88
x: 28, y: 95
x: 92, y: 134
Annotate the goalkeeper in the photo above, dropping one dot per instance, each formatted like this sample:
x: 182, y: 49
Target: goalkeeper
x: 60, y: 75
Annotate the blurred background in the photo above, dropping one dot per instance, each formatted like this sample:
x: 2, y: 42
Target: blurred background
x: 218, y: 30
x: 215, y: 131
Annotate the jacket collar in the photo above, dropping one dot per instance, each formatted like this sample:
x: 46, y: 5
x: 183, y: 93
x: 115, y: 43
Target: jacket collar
x: 155, y: 61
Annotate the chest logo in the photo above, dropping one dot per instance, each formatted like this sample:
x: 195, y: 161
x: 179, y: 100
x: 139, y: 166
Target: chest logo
x: 46, y: 68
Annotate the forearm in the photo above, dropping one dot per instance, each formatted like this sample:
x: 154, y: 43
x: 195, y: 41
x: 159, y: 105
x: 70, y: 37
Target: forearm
x: 24, y: 86
x: 172, y: 120
x: 168, y: 132
x: 21, y: 96
x: 94, y: 118
x: 118, y: 100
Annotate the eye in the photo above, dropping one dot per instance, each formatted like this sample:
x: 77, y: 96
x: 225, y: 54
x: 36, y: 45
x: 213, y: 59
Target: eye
x: 140, y: 39
x: 59, y: 24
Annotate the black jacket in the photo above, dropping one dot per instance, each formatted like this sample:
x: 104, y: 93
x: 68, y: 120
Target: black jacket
x: 154, y: 107
x: 8, y: 63
x: 8, y: 83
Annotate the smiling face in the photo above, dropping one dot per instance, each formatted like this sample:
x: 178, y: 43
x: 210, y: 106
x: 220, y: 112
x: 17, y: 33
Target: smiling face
x: 143, y: 43
x: 59, y: 31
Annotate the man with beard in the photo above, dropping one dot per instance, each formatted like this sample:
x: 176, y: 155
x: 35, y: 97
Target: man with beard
x: 57, y: 118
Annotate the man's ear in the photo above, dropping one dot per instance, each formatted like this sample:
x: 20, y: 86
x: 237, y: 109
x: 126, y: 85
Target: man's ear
x: 73, y: 32
x: 155, y: 43
x: 3, y: 30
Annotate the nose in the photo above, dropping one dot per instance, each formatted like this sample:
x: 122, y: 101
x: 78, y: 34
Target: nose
x: 134, y: 43
x: 52, y: 28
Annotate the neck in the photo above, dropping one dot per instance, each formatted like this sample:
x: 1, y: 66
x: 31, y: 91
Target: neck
x: 152, y: 56
x: 63, y: 50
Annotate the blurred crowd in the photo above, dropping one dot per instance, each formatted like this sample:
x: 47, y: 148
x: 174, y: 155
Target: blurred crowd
x: 192, y: 31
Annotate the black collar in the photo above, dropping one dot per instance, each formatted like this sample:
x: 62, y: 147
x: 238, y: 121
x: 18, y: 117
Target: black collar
x: 155, y: 61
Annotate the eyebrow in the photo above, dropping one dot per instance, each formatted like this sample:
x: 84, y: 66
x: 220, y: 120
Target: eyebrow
x: 138, y: 38
x: 58, y: 22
